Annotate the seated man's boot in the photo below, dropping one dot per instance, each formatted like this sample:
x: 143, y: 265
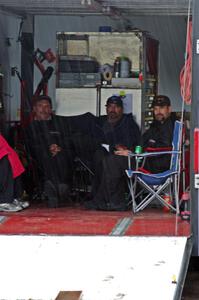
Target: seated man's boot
x: 50, y: 191
x: 117, y: 207
x: 64, y: 194
x: 95, y: 205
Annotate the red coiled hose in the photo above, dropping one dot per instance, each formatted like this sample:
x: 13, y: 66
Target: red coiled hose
x: 185, y: 74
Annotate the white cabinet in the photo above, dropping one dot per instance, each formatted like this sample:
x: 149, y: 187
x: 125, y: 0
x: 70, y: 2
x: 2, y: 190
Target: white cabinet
x: 74, y: 101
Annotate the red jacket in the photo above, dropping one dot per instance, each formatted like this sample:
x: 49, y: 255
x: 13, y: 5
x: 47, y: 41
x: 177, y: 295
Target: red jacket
x: 16, y: 165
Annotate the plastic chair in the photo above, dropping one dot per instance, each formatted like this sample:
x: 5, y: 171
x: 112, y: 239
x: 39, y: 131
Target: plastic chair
x: 154, y: 186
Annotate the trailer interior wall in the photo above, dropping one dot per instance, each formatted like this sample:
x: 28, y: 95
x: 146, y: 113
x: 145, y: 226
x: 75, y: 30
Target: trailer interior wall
x: 169, y: 30
x: 10, y: 56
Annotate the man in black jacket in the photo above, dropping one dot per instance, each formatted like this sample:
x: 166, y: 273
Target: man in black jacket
x: 48, y: 142
x: 160, y: 134
x: 111, y: 133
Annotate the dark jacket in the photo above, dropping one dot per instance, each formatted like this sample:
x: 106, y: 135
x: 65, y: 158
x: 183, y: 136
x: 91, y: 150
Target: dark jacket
x: 88, y: 132
x: 159, y: 135
x: 80, y: 129
x: 125, y: 132
x: 39, y: 135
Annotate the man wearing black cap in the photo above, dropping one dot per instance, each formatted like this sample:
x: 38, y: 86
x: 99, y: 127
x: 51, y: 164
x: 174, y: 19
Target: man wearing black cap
x: 160, y: 134
x: 114, y: 108
x: 112, y: 132
x: 49, y: 145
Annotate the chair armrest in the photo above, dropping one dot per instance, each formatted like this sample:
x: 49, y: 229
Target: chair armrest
x: 158, y: 149
x: 146, y: 154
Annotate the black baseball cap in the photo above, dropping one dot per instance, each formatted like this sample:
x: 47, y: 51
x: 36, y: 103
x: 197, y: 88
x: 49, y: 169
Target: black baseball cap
x: 161, y: 100
x: 115, y: 100
x: 42, y: 97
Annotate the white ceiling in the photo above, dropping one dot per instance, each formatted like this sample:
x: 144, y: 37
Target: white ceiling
x: 94, y: 7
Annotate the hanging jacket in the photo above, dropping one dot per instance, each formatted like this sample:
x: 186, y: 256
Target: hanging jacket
x: 16, y: 165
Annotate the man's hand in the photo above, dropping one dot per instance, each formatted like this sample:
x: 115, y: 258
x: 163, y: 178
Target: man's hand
x: 119, y: 147
x: 121, y: 150
x: 124, y: 152
x: 54, y: 149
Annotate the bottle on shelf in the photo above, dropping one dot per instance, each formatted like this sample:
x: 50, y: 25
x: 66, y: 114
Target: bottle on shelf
x: 117, y: 67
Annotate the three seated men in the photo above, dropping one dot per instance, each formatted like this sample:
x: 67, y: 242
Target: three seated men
x: 52, y: 144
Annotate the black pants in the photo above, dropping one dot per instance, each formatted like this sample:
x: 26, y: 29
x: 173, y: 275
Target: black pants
x: 109, y: 184
x: 57, y: 169
x: 10, y: 188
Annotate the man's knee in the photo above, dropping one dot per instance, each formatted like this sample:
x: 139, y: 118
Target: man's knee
x: 115, y: 164
x: 5, y: 167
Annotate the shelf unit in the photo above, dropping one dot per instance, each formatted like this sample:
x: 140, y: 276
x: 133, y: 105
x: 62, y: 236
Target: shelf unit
x: 85, y: 58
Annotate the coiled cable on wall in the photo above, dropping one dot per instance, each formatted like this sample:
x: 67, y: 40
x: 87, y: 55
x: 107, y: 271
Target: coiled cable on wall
x: 185, y: 74
x: 107, y: 75
x: 185, y: 85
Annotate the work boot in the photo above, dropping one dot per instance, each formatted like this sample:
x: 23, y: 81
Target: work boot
x: 19, y: 202
x: 10, y: 207
x: 64, y: 194
x: 95, y: 205
x: 51, y: 193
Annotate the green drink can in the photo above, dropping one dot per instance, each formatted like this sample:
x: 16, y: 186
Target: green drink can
x: 138, y: 149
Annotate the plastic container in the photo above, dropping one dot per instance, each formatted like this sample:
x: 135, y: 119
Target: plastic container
x: 117, y: 68
x: 167, y: 199
x: 185, y: 209
x: 125, y: 67
x: 122, y: 67
x: 105, y: 29
x: 138, y: 149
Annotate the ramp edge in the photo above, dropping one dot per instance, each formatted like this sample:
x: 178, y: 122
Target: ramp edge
x: 183, y: 268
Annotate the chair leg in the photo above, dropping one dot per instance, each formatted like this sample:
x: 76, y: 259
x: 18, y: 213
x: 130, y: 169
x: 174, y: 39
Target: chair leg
x: 156, y: 194
x: 131, y: 187
x: 176, y: 194
x: 153, y: 194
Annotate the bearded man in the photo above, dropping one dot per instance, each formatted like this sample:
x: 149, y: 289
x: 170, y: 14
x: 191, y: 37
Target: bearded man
x: 112, y: 132
x: 160, y: 134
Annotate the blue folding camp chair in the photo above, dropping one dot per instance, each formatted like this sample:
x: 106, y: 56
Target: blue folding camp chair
x: 154, y: 186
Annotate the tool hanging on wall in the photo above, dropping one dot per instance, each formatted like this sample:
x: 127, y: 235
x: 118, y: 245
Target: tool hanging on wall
x: 14, y: 71
x: 39, y: 58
